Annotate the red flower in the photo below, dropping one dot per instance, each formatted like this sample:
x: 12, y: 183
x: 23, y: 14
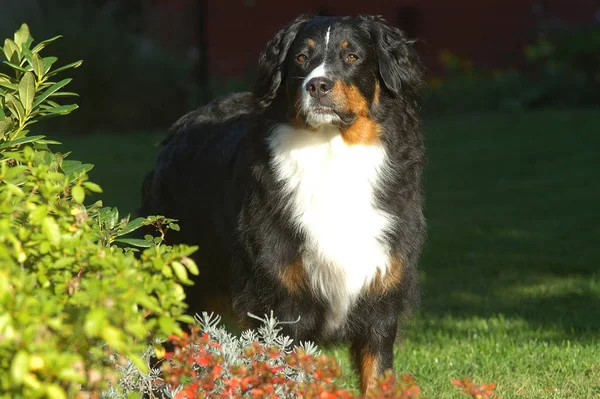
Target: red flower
x: 203, y: 361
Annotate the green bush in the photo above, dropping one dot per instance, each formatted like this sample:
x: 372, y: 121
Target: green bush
x: 130, y: 82
x: 480, y: 91
x: 574, y: 52
x: 563, y: 71
x: 569, y: 61
x: 70, y: 298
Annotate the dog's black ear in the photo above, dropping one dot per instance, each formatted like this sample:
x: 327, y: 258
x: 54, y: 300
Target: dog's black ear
x: 399, y: 65
x: 270, y: 63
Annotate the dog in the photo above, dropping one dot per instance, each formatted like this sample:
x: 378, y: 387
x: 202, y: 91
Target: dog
x: 304, y: 196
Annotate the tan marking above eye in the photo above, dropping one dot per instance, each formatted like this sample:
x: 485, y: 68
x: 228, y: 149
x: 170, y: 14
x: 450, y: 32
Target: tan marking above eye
x: 310, y: 43
x: 344, y: 44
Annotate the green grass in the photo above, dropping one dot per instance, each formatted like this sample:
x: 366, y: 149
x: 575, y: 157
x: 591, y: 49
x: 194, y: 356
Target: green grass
x: 510, y: 272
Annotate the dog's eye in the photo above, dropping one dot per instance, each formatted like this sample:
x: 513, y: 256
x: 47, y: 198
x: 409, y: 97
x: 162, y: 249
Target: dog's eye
x: 351, y: 58
x: 301, y: 58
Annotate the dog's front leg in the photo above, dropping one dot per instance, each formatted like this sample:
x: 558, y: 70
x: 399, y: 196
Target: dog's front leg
x: 373, y: 353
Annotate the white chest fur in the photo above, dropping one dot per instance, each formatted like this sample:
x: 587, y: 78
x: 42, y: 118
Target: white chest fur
x: 332, y: 190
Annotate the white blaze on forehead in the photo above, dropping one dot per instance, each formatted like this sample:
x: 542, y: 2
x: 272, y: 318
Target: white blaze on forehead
x: 319, y: 71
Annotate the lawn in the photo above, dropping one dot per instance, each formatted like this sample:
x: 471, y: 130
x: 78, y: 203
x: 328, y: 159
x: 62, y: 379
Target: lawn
x: 510, y: 276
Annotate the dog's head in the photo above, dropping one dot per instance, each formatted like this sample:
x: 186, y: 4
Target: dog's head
x: 337, y: 71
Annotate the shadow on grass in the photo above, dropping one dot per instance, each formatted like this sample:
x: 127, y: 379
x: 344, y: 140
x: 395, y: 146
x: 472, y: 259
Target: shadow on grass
x: 514, y: 228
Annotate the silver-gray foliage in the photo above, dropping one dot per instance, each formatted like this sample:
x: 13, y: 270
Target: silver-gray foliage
x: 231, y: 348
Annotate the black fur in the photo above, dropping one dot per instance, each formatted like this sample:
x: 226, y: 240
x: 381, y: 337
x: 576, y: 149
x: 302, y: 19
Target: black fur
x: 213, y: 174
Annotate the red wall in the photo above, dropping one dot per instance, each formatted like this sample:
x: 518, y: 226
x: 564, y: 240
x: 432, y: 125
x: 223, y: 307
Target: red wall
x: 491, y: 33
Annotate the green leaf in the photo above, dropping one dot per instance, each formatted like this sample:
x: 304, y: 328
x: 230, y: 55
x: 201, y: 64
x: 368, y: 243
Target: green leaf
x: 51, y: 90
x: 27, y: 90
x: 138, y: 329
x: 191, y: 265
x: 14, y: 65
x: 5, y: 126
x: 113, y: 337
x: 48, y: 61
x: 74, y: 168
x: 22, y: 140
x: 44, y: 43
x: 28, y: 55
x: 2, y: 114
x: 70, y: 374
x: 38, y: 66
x: 64, y: 94
x: 11, y: 49
x: 138, y: 362
x: 9, y: 85
x: 51, y: 230
x: 20, y: 134
x: 167, y: 272
x: 167, y: 325
x: 187, y: 319
x: 55, y: 392
x: 148, y: 302
x: 94, y: 322
x: 62, y: 110
x: 111, y: 218
x: 15, y: 106
x: 75, y: 64
x: 14, y: 189
x: 131, y: 226
x: 135, y: 242
x: 38, y: 214
x: 181, y: 272
x: 48, y: 142
x: 6, y: 82
x: 22, y: 36
x: 78, y: 194
x: 93, y: 187
x: 19, y: 366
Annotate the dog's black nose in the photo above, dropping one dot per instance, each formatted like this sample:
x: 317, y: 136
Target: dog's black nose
x: 319, y: 87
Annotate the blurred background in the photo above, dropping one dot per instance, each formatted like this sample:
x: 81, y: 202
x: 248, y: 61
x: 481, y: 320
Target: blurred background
x: 148, y: 61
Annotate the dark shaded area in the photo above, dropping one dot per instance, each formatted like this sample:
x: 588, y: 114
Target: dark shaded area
x: 409, y: 20
x: 202, y: 71
x: 128, y: 80
x: 513, y: 221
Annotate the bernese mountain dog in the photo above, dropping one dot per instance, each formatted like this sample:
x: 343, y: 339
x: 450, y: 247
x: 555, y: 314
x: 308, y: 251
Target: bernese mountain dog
x: 304, y: 196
